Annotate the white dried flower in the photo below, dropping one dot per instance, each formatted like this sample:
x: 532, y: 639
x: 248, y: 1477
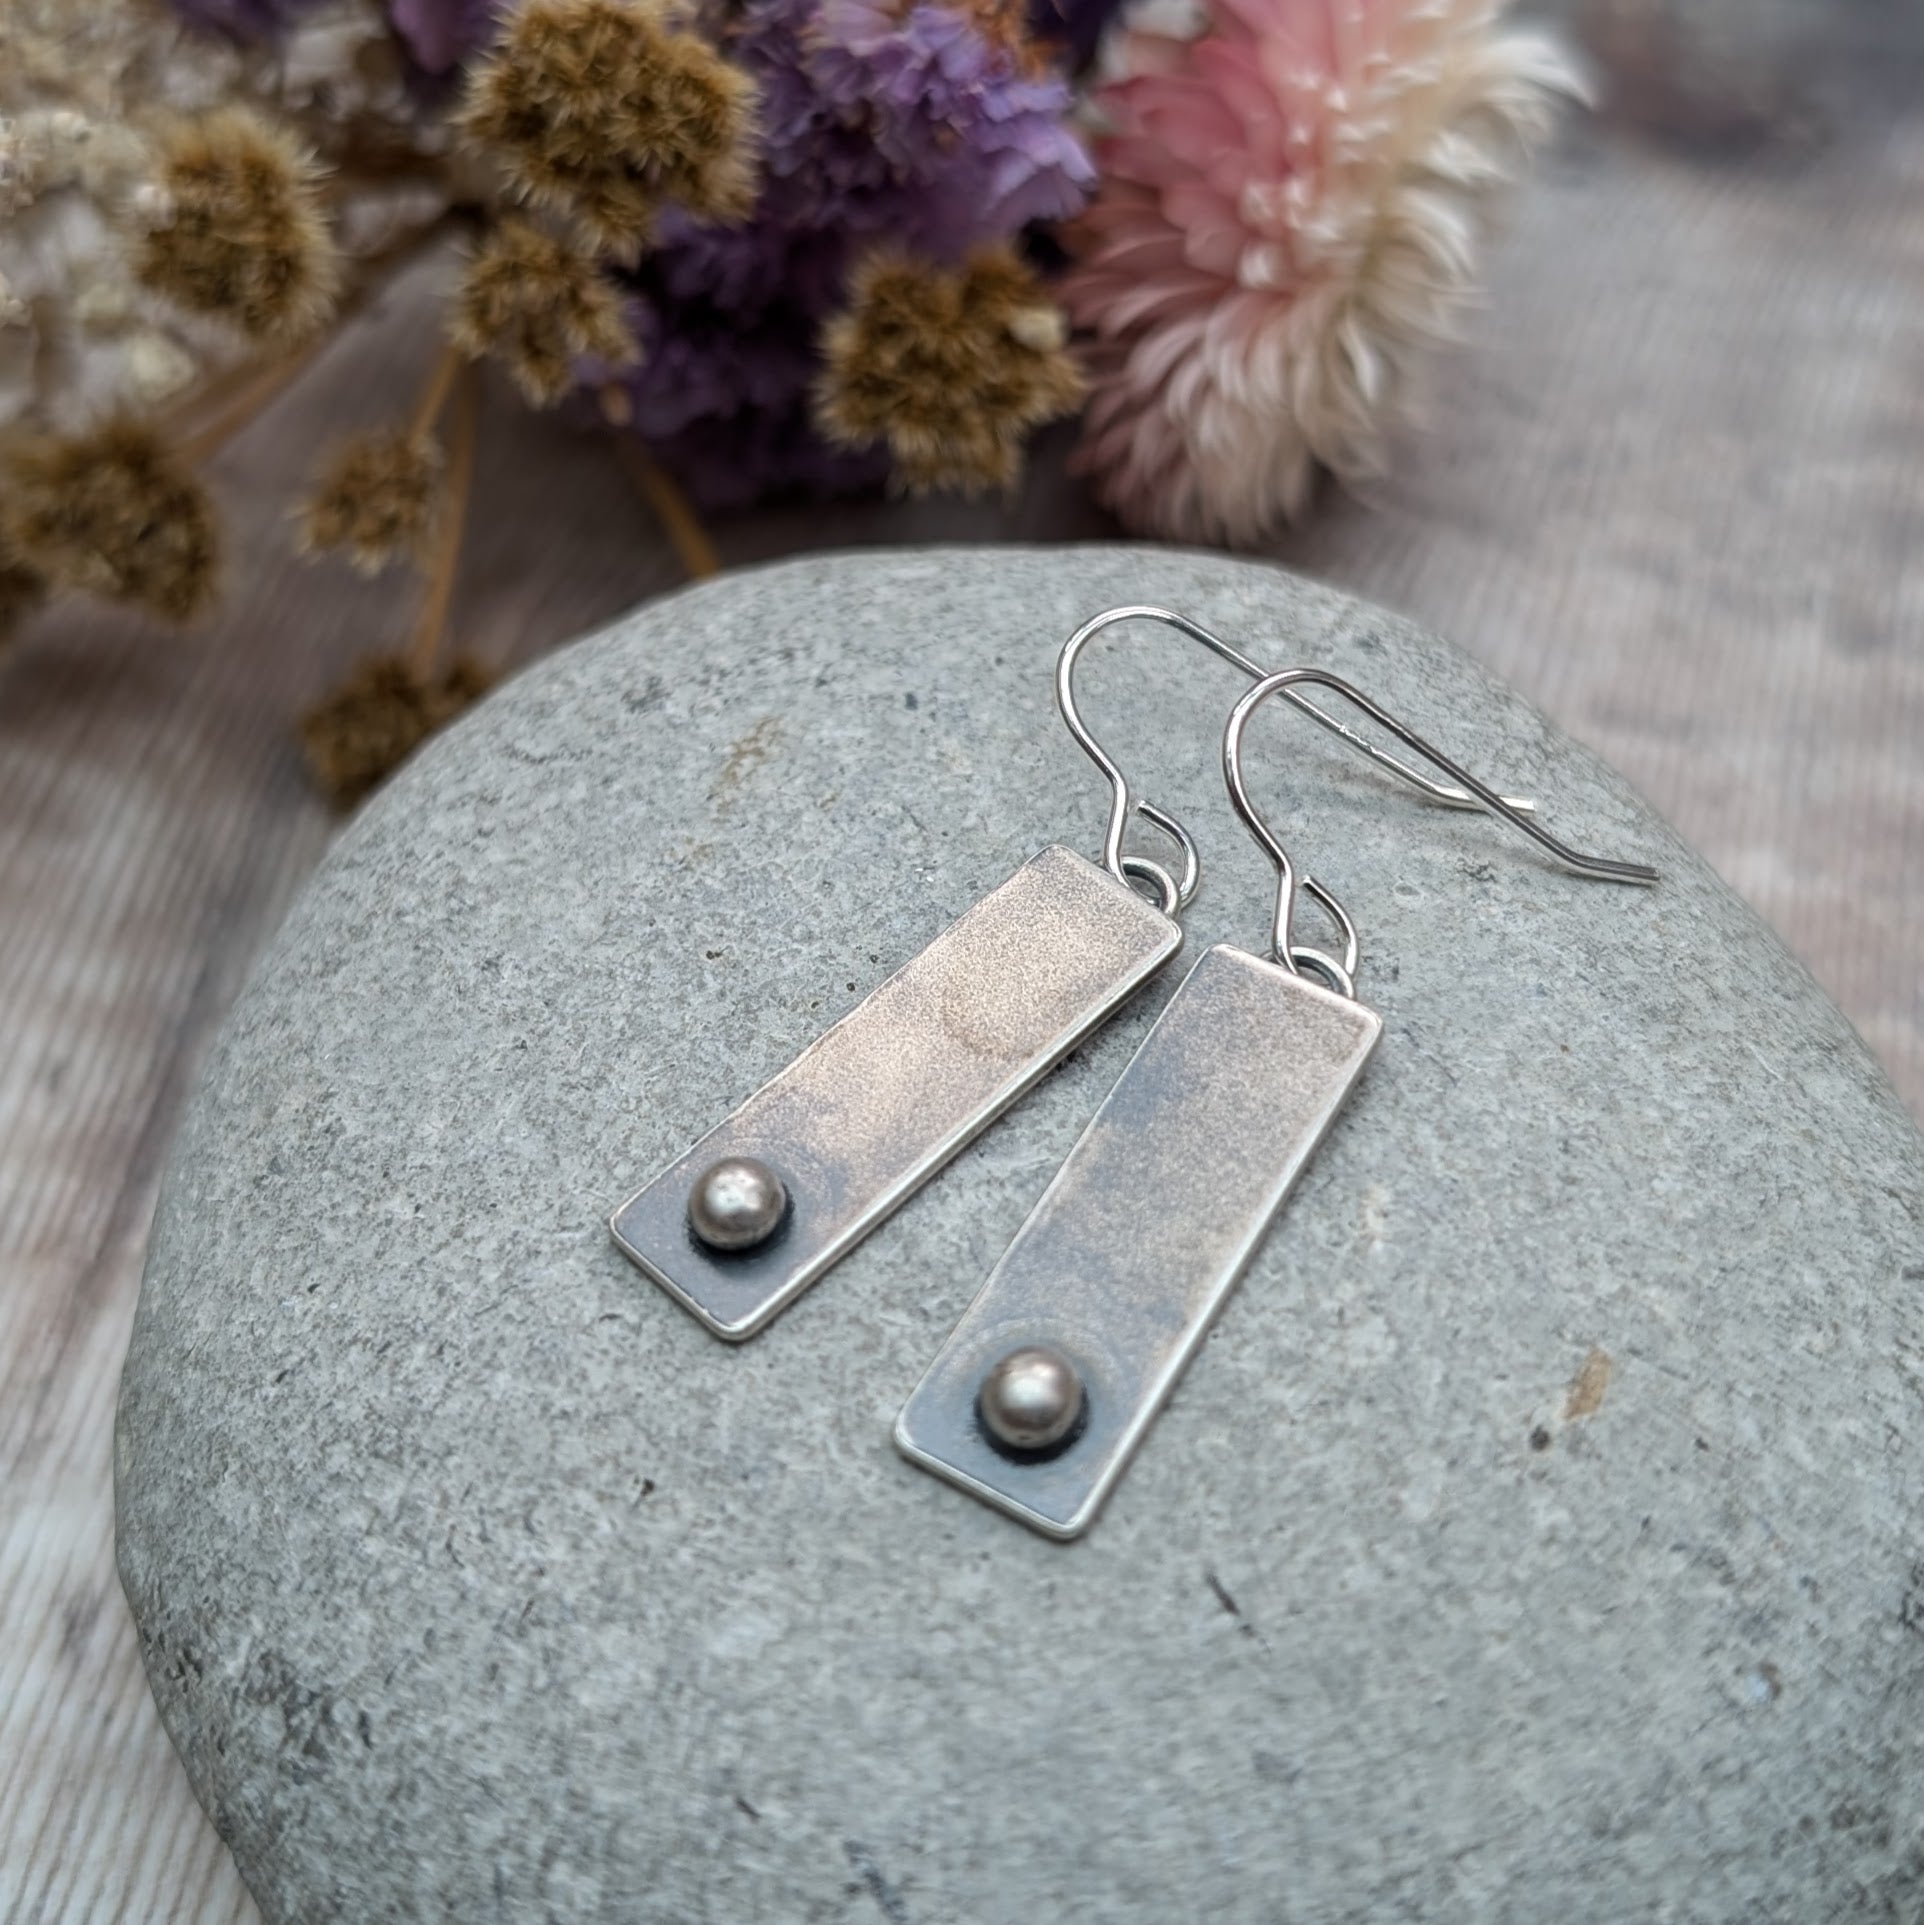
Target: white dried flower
x: 151, y: 206
x: 81, y: 89
x: 1289, y: 213
x: 158, y: 368
x: 104, y: 303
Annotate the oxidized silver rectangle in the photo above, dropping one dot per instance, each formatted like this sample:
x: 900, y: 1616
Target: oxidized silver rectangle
x: 877, y: 1104
x: 1140, y: 1238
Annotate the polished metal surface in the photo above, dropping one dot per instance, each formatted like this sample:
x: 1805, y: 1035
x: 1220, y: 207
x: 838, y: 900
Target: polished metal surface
x: 1031, y: 1400
x: 879, y: 1102
x: 1142, y: 1234
x: 736, y: 1204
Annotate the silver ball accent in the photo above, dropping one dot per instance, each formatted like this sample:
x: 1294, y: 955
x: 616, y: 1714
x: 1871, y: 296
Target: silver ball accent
x: 1031, y: 1400
x: 736, y: 1204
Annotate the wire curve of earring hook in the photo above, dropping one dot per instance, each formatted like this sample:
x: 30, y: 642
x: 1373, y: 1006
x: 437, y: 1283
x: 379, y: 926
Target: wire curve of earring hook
x: 1123, y: 803
x: 1283, y: 947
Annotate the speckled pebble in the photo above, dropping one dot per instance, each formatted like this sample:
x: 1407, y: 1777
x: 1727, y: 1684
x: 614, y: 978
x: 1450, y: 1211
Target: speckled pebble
x: 1536, y: 1538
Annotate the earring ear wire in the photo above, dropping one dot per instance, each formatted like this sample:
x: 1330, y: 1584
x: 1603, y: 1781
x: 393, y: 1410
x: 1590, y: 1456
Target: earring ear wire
x: 1283, y: 947
x: 1123, y: 803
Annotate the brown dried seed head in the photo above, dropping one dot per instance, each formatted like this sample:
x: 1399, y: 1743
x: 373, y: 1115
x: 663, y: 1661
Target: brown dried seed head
x: 950, y: 367
x: 971, y: 461
x: 375, y: 497
x: 22, y: 590
x: 603, y: 110
x: 536, y: 302
x: 247, y: 241
x: 380, y: 715
x: 110, y: 512
x: 1007, y: 23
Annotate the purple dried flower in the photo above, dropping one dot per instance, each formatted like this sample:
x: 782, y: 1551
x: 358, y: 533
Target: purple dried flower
x: 1076, y: 26
x: 917, y: 130
x: 440, y: 34
x: 243, y: 20
x: 980, y: 146
x: 744, y: 270
x: 705, y: 364
x: 732, y: 461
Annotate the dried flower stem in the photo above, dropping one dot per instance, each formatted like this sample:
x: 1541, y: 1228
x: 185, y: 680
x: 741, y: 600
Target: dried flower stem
x: 207, y: 419
x: 190, y: 412
x: 431, y: 624
x: 698, y: 557
x: 249, y: 398
x: 434, y: 396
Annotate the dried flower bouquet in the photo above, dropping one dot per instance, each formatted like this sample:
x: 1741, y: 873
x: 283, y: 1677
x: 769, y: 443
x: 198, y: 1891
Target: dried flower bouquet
x: 776, y: 245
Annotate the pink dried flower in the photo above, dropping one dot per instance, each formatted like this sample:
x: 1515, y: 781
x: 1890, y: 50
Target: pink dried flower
x: 1289, y: 209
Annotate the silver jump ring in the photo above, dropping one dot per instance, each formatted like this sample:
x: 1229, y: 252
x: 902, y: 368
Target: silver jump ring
x: 1144, y: 869
x: 1191, y: 855
x: 1332, y: 972
x: 1284, y: 949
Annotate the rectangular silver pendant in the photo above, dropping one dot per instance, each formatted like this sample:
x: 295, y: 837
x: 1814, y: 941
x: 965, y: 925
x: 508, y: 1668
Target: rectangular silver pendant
x: 877, y: 1104
x: 1138, y: 1241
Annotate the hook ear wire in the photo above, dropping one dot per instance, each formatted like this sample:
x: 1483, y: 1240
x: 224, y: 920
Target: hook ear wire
x: 1595, y: 868
x: 1123, y: 803
x: 1341, y: 977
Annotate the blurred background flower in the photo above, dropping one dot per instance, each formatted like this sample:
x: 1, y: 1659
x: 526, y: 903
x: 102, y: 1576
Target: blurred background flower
x: 1290, y: 208
x: 932, y: 131
x: 780, y: 247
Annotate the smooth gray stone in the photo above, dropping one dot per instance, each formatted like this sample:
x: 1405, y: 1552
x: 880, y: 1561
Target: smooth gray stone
x: 1537, y: 1537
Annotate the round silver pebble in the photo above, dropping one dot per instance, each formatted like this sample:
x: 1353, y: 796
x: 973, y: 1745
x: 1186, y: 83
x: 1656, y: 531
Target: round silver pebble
x: 736, y: 1204
x: 1031, y: 1399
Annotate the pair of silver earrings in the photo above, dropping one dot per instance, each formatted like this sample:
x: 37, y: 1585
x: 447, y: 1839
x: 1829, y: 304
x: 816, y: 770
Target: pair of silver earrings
x: 1047, y: 1384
